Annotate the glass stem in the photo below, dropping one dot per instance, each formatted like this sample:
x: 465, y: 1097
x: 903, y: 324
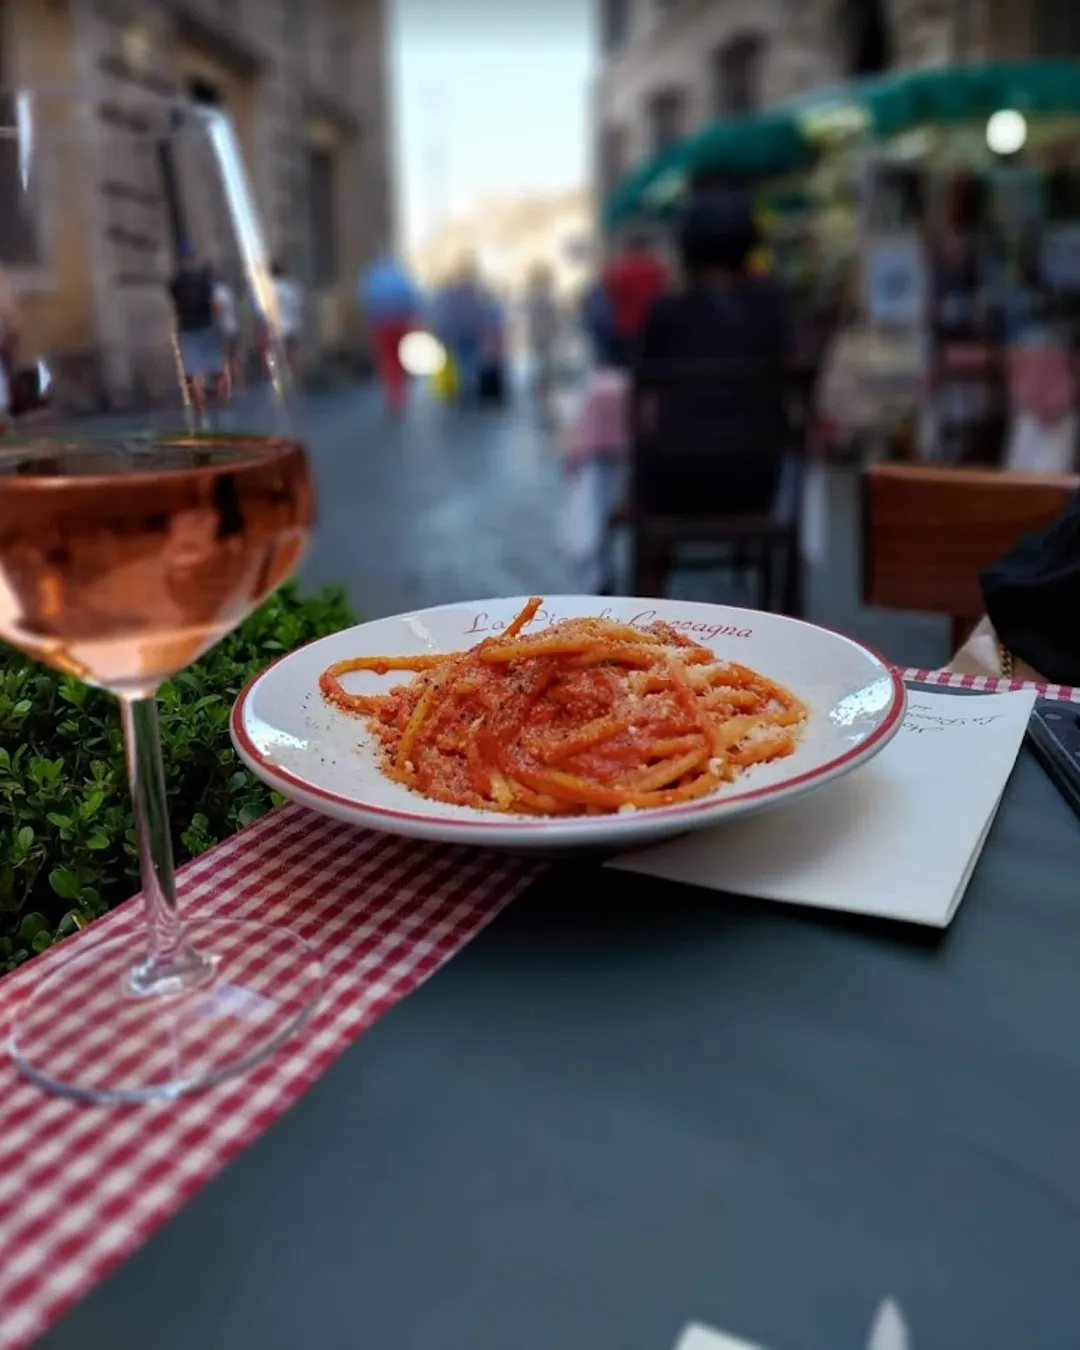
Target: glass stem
x: 171, y: 964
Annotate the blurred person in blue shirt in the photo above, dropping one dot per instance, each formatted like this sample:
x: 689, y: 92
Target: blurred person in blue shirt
x: 393, y: 304
x: 462, y: 319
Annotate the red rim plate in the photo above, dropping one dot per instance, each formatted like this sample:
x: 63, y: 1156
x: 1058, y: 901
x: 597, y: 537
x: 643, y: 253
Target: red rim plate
x: 485, y: 822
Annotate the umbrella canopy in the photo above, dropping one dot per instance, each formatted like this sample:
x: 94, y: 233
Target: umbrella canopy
x: 791, y: 136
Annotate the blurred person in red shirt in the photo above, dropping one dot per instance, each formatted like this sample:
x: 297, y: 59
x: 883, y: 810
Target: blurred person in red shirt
x: 634, y: 281
x: 394, y: 305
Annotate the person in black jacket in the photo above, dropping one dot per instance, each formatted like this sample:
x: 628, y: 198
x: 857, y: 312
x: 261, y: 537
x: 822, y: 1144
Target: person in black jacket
x: 704, y: 444
x: 1032, y: 598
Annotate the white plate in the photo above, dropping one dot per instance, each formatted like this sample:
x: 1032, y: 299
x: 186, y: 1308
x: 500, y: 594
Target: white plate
x: 285, y: 732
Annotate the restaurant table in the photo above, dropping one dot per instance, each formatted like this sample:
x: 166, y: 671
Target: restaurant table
x: 630, y: 1105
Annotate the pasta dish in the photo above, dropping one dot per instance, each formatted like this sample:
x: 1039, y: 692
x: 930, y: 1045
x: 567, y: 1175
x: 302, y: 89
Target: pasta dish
x: 586, y: 716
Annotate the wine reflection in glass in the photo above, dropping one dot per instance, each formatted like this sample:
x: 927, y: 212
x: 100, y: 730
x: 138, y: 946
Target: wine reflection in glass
x: 136, y: 530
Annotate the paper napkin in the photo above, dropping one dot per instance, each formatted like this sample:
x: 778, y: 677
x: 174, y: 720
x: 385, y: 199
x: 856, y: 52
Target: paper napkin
x: 889, y: 1332
x: 898, y: 838
x: 697, y: 1337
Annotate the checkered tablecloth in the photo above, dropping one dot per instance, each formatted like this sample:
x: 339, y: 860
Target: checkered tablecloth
x: 990, y: 684
x: 82, y: 1186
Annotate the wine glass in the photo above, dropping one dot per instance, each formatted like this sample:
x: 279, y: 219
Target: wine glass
x: 148, y: 503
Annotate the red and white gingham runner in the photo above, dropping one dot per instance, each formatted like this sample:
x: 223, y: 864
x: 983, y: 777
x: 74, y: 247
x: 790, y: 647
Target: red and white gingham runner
x: 989, y: 684
x: 82, y: 1186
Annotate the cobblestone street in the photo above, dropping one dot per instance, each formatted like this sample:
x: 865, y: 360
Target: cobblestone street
x: 449, y: 504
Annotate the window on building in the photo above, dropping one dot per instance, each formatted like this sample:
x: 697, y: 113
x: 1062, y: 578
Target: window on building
x: 665, y: 119
x: 205, y: 92
x: 614, y: 23
x: 322, y: 206
x: 189, y: 228
x: 1057, y: 31
x: 18, y: 238
x: 737, y: 71
x: 864, y: 37
x: 613, y: 158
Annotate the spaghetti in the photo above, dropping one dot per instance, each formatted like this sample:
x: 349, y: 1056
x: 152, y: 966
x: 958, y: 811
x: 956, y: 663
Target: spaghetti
x: 587, y: 716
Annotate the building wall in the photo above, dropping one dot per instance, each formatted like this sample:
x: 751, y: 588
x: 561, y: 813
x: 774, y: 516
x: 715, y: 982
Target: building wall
x: 673, y: 49
x: 296, y: 75
x: 803, y: 45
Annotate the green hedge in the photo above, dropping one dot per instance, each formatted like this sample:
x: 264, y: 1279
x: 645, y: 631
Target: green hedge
x: 66, y: 842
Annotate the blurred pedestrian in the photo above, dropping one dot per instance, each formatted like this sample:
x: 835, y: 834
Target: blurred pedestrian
x: 634, y: 281
x: 290, y: 307
x: 542, y: 323
x: 202, y: 351
x: 228, y: 325
x: 462, y: 318
x: 598, y: 320
x: 393, y: 304
x: 491, y: 379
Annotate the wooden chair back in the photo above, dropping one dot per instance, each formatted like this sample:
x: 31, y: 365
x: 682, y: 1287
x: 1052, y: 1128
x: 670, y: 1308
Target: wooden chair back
x: 928, y: 532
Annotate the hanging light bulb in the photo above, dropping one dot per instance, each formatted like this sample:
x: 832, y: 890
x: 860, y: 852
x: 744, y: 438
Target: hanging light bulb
x: 1006, y: 131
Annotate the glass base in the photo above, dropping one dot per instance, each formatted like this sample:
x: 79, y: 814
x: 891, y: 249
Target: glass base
x: 85, y: 1031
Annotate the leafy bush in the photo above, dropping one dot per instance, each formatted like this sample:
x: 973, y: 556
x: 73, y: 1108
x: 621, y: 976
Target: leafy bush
x: 67, y: 849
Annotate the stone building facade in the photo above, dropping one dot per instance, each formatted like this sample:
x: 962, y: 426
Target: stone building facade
x: 305, y: 83
x: 669, y: 67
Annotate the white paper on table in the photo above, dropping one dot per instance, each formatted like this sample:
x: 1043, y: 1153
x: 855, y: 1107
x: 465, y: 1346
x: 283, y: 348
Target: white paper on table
x: 888, y: 1332
x: 898, y: 838
x: 697, y: 1337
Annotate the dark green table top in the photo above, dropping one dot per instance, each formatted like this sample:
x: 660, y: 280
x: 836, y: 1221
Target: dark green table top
x: 630, y: 1105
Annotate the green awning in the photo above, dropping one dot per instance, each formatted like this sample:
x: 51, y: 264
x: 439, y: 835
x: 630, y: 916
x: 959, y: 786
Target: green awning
x: 791, y: 136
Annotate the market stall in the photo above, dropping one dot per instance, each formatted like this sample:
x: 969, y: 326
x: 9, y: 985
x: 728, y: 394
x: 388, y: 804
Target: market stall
x: 927, y: 227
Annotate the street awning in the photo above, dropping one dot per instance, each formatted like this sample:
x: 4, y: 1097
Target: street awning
x: 790, y: 137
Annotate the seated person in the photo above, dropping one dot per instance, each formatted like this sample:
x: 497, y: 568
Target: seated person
x: 1032, y: 597
x: 714, y: 449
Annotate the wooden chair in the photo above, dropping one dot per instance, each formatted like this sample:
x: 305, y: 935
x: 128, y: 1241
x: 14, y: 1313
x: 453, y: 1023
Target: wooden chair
x: 928, y: 532
x: 756, y: 540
